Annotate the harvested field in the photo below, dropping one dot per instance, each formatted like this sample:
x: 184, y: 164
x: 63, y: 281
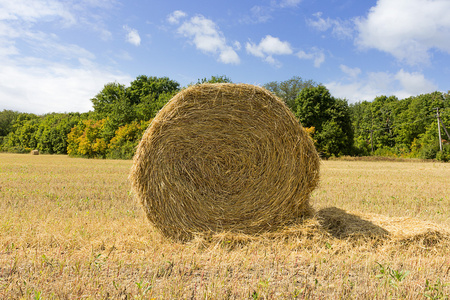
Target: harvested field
x: 70, y: 228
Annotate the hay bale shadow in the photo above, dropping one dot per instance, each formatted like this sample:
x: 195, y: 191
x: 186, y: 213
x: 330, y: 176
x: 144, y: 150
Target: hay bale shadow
x: 331, y: 224
x: 343, y: 225
x: 402, y: 230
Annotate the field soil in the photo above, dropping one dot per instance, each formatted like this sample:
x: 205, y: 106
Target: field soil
x: 71, y: 229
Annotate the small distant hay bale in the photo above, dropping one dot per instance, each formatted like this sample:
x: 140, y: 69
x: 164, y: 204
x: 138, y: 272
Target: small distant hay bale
x: 34, y: 152
x: 224, y: 158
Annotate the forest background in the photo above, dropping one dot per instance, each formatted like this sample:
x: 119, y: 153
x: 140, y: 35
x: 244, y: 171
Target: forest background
x: 385, y: 126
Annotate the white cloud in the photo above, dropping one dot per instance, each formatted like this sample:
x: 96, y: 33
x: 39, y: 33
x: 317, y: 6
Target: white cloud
x: 17, y: 23
x: 39, y: 72
x: 401, y: 84
x: 31, y: 11
x: 273, y: 46
x: 407, y: 29
x: 267, y: 47
x: 351, y: 72
x: 259, y: 14
x: 8, y: 48
x: 59, y: 77
x: 237, y: 45
x: 289, y: 3
x: 315, y: 55
x: 263, y: 13
x: 132, y: 36
x: 49, y: 46
x: 353, y: 91
x: 124, y: 55
x: 206, y: 37
x: 22, y: 14
x: 52, y: 87
x: 414, y: 83
x: 228, y: 56
x: 174, y: 18
x: 319, y: 23
x: 340, y: 29
x: 269, y: 59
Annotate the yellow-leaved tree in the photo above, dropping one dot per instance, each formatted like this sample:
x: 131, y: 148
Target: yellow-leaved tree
x: 85, y: 139
x: 126, y: 138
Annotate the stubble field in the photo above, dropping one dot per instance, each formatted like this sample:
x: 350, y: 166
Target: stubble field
x: 70, y: 229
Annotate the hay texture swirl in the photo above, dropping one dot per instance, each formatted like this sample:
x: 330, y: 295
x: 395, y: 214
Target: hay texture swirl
x: 224, y: 157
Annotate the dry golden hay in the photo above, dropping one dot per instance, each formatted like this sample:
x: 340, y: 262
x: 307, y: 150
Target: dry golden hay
x: 410, y: 230
x: 34, y: 152
x: 337, y: 226
x: 224, y: 157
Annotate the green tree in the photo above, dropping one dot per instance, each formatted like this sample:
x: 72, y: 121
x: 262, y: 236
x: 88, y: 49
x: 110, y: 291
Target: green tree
x: 144, y: 86
x: 7, y: 118
x: 123, y: 144
x: 122, y: 114
x: 150, y: 106
x: 22, y: 137
x: 361, y: 117
x: 414, y: 115
x: 404, y: 127
x: 142, y: 100
x: 108, y: 98
x: 315, y: 107
x: 52, y: 132
x: 288, y: 90
x: 113, y: 105
x: 215, y: 79
x: 383, y: 120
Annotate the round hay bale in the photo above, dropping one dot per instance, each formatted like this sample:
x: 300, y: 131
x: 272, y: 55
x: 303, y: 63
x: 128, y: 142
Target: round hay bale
x: 224, y: 157
x: 34, y: 152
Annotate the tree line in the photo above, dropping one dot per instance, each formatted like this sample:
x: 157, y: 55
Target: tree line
x: 386, y: 126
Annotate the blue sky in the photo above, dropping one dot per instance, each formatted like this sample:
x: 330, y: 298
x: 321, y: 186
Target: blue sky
x: 56, y: 55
